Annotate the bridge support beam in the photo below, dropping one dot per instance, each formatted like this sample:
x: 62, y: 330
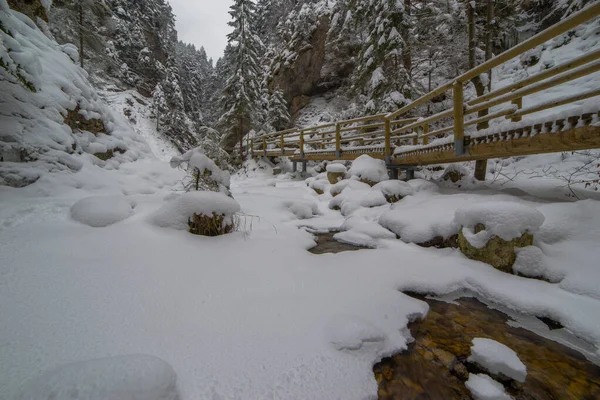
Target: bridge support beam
x: 393, y: 173
x: 294, y: 166
x: 304, y: 166
x: 480, y: 170
x: 410, y: 174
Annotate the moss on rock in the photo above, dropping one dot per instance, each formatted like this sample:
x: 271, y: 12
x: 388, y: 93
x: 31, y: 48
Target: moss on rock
x: 76, y: 121
x: 209, y: 225
x: 497, y: 252
x: 335, y: 177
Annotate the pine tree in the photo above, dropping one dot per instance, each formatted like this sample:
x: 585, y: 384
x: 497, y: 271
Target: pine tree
x: 381, y: 73
x: 278, y: 114
x: 241, y: 94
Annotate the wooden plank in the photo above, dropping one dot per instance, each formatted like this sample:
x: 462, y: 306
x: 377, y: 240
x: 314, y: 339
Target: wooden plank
x: 362, y: 119
x: 555, y: 103
x: 581, y: 138
x: 421, y: 100
x: 538, y: 87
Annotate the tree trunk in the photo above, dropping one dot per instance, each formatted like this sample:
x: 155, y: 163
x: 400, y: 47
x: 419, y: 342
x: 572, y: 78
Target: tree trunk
x: 406, y: 51
x: 479, y: 87
x: 81, y: 35
x: 488, y: 38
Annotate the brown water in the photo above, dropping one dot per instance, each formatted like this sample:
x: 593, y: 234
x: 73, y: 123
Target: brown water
x: 435, y: 367
x: 326, y: 244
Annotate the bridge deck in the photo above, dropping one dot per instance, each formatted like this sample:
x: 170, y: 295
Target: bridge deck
x: 402, y: 138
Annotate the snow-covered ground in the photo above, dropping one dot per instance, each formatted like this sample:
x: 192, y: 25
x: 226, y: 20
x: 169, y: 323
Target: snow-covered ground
x: 251, y: 314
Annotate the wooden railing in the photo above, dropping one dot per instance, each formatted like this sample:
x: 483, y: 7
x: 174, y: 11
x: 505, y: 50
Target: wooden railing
x: 378, y: 133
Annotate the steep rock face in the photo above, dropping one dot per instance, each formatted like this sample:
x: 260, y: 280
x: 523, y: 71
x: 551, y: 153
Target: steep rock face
x: 303, y: 77
x: 32, y: 8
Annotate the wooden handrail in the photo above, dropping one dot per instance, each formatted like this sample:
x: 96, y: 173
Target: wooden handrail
x: 414, y: 127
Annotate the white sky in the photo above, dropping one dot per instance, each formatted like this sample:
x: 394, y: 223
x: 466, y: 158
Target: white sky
x: 203, y: 23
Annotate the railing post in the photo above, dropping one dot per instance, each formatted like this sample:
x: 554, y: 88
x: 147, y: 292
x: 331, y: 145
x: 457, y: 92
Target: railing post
x: 459, y: 119
x: 519, y: 103
x: 388, y: 139
x: 302, y: 143
x: 265, y: 145
x: 425, y: 132
x: 282, y: 144
x: 416, y: 138
x: 338, y: 140
x: 252, y: 147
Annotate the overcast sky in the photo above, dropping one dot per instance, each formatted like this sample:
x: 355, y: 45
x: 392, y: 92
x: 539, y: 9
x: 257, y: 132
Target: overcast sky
x: 203, y: 23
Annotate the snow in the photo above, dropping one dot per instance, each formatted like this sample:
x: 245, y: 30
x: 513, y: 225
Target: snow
x: 129, y: 377
x: 422, y: 185
x: 351, y: 332
x: 177, y: 212
x: 505, y: 220
x: 302, y: 209
x: 336, y: 168
x: 46, y: 4
x: 394, y: 188
x: 497, y: 359
x: 483, y: 387
x: 32, y: 118
x: 101, y: 211
x: 368, y: 168
x: 352, y: 199
x: 250, y: 315
x: 337, y: 188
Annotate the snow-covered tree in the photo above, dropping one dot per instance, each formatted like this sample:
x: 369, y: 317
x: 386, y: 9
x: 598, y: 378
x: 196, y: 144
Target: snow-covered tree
x: 241, y: 100
x: 277, y: 111
x: 381, y: 73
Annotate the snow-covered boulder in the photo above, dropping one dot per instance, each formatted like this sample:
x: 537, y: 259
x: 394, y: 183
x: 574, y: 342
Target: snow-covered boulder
x: 335, y: 173
x: 360, y: 232
x: 369, y: 170
x: 352, y: 183
x: 302, y: 209
x: 483, y: 387
x: 491, y: 231
x: 394, y: 190
x: 455, y: 173
x: 497, y: 359
x: 102, y: 211
x: 532, y: 262
x: 320, y: 185
x: 352, y: 199
x: 130, y: 377
x: 202, y: 213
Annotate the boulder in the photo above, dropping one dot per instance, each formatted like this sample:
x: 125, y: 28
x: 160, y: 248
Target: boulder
x: 498, y: 252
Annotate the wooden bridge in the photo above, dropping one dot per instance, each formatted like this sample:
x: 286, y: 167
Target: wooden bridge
x: 402, y: 138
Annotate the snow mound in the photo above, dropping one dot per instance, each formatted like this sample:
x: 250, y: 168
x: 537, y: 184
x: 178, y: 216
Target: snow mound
x: 497, y: 359
x: 302, y: 209
x: 420, y: 219
x: 354, y: 184
x: 531, y: 262
x: 507, y: 220
x: 351, y: 200
x: 321, y: 185
x: 351, y: 332
x: 176, y: 213
x: 483, y: 387
x: 43, y: 93
x: 100, y: 212
x: 369, y: 169
x: 422, y: 185
x: 130, y: 377
x: 394, y: 188
x: 336, y: 168
x: 359, y: 231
